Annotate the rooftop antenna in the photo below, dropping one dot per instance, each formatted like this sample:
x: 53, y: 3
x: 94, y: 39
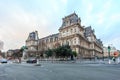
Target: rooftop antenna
x: 74, y: 12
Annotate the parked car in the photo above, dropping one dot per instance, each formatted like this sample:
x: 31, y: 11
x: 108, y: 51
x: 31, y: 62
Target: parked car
x: 3, y: 60
x: 31, y: 61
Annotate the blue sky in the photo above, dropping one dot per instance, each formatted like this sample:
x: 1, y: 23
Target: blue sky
x: 20, y: 17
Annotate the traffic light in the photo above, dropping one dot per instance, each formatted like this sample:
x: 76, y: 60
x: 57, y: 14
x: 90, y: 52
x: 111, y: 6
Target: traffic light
x: 109, y: 48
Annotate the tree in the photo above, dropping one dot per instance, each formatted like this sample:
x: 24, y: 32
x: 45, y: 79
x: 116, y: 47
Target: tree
x: 57, y: 51
x: 17, y: 54
x: 63, y: 51
x: 23, y: 48
x: 49, y: 52
x: 74, y: 53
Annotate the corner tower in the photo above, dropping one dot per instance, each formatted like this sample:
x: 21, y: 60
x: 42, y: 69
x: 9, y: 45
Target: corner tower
x: 71, y: 32
x: 32, y: 43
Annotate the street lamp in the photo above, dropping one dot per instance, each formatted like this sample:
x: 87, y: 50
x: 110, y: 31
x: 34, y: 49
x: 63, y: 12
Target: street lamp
x: 109, y: 48
x: 103, y: 54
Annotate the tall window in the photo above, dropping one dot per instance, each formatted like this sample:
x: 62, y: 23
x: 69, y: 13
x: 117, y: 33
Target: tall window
x: 67, y: 22
x: 75, y: 40
x: 71, y: 42
x: 75, y: 30
x: 56, y: 38
x: 67, y: 42
x: 67, y: 30
x: 51, y: 39
x: 46, y: 40
x: 71, y: 30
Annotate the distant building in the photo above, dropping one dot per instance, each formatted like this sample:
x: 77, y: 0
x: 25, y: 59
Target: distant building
x: 13, y: 53
x: 1, y: 45
x: 105, y: 49
x: 1, y: 48
x: 9, y: 53
x: 81, y: 39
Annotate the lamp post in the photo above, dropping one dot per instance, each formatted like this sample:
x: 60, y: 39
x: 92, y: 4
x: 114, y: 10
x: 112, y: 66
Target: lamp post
x: 109, y: 48
x: 37, y: 50
x: 103, y: 54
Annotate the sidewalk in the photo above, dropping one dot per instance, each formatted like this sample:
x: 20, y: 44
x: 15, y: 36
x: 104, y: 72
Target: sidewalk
x: 97, y: 62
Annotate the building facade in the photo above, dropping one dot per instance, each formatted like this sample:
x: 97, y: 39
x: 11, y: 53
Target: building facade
x: 80, y: 38
x: 1, y: 45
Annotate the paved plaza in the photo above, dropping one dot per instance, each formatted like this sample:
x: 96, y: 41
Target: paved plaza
x: 60, y: 71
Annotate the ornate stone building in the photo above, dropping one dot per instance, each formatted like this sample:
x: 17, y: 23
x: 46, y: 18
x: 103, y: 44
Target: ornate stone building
x: 81, y: 39
x: 32, y: 43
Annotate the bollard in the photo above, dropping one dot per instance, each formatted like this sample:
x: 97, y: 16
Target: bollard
x: 109, y: 61
x: 37, y: 64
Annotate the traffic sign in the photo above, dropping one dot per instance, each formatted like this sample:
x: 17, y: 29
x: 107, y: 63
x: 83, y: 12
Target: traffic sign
x: 116, y: 54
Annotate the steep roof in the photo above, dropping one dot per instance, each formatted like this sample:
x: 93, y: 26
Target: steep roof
x: 50, y: 36
x: 72, y: 18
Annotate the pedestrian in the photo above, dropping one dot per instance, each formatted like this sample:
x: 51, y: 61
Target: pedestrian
x: 114, y: 59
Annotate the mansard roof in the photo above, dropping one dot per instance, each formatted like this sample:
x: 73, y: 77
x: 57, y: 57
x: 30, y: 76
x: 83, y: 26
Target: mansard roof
x: 33, y: 36
x: 89, y: 31
x: 71, y: 15
x: 99, y: 42
x: 72, y: 18
x: 50, y: 36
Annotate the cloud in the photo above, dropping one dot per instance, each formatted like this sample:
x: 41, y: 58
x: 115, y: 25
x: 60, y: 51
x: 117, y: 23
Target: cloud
x: 104, y: 18
x: 64, y: 1
x: 16, y: 25
x: 115, y: 17
x: 114, y: 42
x: 18, y: 18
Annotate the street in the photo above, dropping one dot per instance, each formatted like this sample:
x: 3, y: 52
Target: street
x: 62, y: 71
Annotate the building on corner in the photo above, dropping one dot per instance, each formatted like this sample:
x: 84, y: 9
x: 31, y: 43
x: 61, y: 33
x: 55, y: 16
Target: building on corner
x: 80, y: 38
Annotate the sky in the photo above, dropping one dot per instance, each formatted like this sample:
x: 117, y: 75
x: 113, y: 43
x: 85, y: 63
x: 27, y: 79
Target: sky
x: 20, y: 17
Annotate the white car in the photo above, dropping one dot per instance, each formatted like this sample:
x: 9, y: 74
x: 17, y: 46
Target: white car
x: 3, y: 60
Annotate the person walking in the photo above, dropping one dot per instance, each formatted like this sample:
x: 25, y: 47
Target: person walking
x: 114, y: 59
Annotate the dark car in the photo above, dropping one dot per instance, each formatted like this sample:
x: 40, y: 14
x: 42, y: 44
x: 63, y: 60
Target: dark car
x: 31, y: 61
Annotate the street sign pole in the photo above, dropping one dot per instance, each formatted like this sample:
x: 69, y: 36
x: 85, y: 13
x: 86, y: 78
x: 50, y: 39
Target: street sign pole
x: 109, y: 54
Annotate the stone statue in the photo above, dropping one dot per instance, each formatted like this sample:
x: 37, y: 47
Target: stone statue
x: 24, y: 52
